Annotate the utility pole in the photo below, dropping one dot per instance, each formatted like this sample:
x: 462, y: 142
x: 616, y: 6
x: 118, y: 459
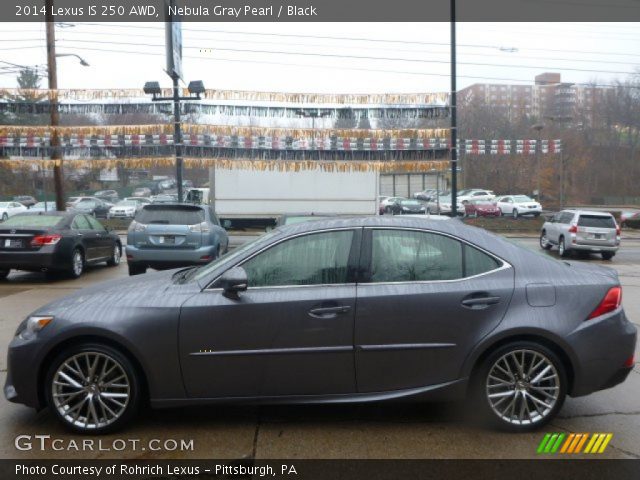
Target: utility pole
x: 53, y: 105
x: 177, y: 135
x: 454, y: 120
x: 538, y: 128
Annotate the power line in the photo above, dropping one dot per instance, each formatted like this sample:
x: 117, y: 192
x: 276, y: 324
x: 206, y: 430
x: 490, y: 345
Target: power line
x: 354, y: 57
x: 333, y: 67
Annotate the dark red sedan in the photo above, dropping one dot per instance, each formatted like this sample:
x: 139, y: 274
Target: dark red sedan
x: 481, y: 208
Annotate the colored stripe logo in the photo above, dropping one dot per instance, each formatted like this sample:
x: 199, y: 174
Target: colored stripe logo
x: 574, y: 443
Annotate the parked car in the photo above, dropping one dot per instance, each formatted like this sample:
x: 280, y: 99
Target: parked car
x: 481, y: 208
x: 426, y: 195
x: 9, y: 209
x: 402, y: 206
x: 442, y: 206
x: 44, y: 207
x: 475, y: 194
x: 90, y: 205
x: 630, y: 218
x: 167, y: 184
x: 124, y: 209
x: 581, y: 230
x: 142, y: 192
x: 518, y: 205
x: 174, y: 235
x: 165, y: 198
x: 26, y: 200
x: 110, y: 196
x: 140, y: 200
x: 411, y: 308
x: 385, y: 204
x: 52, y: 242
x: 199, y: 196
x: 381, y: 204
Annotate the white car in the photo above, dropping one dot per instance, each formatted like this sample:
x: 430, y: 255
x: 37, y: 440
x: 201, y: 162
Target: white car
x: 518, y: 205
x: 9, y: 209
x: 124, y: 209
x: 476, y: 194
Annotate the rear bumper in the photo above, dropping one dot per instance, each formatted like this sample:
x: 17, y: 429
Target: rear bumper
x: 170, y: 258
x: 591, y: 248
x: 47, y: 258
x: 602, y: 346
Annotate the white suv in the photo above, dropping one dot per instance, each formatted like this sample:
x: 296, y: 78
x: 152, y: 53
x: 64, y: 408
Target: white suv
x: 517, y: 205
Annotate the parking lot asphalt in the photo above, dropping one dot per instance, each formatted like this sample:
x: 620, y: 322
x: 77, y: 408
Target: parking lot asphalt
x: 413, y: 430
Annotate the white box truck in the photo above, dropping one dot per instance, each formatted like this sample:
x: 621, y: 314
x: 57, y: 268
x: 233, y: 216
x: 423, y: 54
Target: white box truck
x: 250, y: 197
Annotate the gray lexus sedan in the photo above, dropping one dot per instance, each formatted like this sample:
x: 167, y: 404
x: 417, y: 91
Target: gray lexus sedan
x: 336, y: 310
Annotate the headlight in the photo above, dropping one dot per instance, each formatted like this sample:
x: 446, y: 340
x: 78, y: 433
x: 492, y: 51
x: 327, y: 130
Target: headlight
x: 33, y: 325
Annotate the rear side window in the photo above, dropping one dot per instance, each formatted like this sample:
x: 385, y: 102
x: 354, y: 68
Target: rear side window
x: 81, y: 223
x: 598, y: 221
x: 477, y: 262
x: 170, y: 215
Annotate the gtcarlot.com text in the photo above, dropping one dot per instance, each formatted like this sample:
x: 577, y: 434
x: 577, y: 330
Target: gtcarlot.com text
x: 48, y: 443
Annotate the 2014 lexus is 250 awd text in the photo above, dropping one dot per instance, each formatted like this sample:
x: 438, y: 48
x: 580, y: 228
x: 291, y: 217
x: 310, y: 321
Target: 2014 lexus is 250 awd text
x: 335, y: 310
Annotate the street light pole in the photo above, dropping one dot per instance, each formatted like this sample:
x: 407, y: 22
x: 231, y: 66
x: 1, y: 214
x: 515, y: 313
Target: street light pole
x: 454, y: 120
x: 55, y: 115
x: 177, y: 135
x: 538, y: 128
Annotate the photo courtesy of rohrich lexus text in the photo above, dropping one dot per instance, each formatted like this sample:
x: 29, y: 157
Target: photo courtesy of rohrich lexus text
x: 311, y: 240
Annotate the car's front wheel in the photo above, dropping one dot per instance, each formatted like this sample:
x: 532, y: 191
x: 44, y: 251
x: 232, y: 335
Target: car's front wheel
x: 5, y: 217
x: 605, y: 256
x: 93, y: 388
x: 514, y: 213
x: 521, y: 386
x: 4, y: 273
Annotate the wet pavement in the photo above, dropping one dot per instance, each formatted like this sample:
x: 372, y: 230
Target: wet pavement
x: 404, y: 430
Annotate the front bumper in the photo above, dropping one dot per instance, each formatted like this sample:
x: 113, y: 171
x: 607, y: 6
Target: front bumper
x: 170, y: 257
x: 602, y: 346
x: 21, y: 385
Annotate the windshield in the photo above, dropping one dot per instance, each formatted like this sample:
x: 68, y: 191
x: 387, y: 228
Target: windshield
x: 4, y: 204
x: 228, y: 258
x: 170, y: 215
x: 522, y: 198
x: 32, y: 221
x: 482, y: 202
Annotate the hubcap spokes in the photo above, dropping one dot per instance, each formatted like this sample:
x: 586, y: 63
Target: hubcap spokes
x: 77, y: 263
x: 116, y: 255
x: 90, y: 390
x: 523, y: 387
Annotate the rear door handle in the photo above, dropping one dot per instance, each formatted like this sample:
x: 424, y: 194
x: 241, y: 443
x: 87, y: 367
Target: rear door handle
x: 480, y: 302
x: 328, y: 312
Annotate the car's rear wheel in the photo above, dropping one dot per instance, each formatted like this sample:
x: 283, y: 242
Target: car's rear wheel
x: 562, y: 248
x: 77, y: 263
x: 544, y: 241
x: 607, y: 255
x: 93, y: 388
x: 521, y: 386
x: 4, y: 273
x: 136, y: 269
x: 115, y: 256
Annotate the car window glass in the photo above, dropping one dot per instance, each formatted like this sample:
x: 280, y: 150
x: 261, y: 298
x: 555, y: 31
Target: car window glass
x: 477, y: 262
x: 403, y: 256
x: 80, y: 223
x: 566, y: 218
x: 315, y: 259
x: 597, y: 221
x: 95, y: 224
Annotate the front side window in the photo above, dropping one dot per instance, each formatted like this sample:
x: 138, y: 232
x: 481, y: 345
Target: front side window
x: 405, y: 256
x: 315, y: 259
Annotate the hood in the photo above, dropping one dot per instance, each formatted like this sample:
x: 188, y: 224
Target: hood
x: 143, y: 291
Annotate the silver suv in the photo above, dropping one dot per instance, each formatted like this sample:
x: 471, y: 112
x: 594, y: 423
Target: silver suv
x: 581, y: 230
x: 164, y: 236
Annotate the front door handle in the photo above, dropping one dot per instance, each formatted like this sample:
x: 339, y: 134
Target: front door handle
x: 328, y: 312
x: 480, y: 302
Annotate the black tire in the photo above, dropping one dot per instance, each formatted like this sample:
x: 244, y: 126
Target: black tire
x: 514, y: 213
x: 76, y: 269
x: 5, y: 217
x: 132, y: 378
x: 562, y: 248
x: 544, y: 241
x: 136, y: 269
x: 608, y: 255
x: 4, y: 273
x: 387, y: 210
x: 115, y: 256
x: 536, y: 352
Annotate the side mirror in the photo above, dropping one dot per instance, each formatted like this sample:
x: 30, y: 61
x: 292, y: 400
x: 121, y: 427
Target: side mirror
x: 234, y: 281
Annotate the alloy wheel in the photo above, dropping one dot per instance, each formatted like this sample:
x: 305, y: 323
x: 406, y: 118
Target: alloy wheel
x: 115, y: 259
x: 90, y: 390
x: 523, y: 387
x: 78, y: 263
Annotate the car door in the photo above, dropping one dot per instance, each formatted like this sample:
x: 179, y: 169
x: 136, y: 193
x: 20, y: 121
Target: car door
x: 104, y: 242
x: 87, y: 236
x: 506, y: 205
x: 289, y: 333
x: 425, y: 300
x: 552, y: 227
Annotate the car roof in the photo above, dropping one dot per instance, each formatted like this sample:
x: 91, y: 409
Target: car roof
x: 588, y: 212
x: 155, y: 206
x: 54, y: 213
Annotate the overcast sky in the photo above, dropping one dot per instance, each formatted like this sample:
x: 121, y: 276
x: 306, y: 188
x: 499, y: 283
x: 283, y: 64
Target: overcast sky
x: 400, y: 57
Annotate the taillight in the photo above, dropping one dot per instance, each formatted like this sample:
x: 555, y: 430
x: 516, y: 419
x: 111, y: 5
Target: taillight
x: 199, y: 227
x: 42, y: 240
x: 573, y: 229
x: 617, y: 230
x: 609, y: 303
